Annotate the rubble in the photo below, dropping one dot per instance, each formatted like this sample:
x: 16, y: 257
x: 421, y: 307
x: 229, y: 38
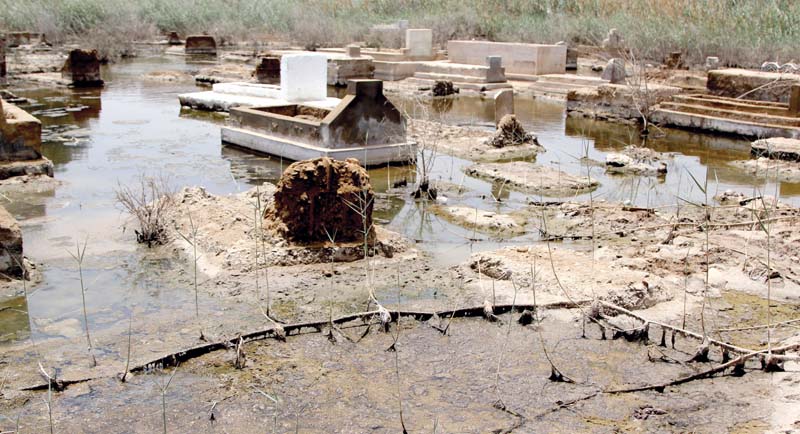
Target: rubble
x: 532, y: 178
x: 635, y: 160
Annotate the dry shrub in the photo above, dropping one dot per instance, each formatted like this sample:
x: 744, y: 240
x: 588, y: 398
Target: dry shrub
x: 148, y: 202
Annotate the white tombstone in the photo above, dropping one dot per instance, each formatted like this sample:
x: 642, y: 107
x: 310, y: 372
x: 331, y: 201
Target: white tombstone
x: 419, y: 42
x: 304, y: 77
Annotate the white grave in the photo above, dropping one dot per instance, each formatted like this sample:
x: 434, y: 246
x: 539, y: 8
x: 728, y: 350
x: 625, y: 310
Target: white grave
x: 419, y: 42
x: 304, y: 77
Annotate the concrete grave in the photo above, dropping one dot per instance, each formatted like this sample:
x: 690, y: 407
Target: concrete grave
x: 737, y: 116
x: 419, y: 42
x: 302, y: 79
x: 490, y: 76
x: 21, y: 144
x: 794, y: 100
x: 751, y: 85
x: 82, y: 69
x: 268, y: 70
x: 364, y: 125
x: 503, y: 105
x: 520, y: 60
x: 201, y: 45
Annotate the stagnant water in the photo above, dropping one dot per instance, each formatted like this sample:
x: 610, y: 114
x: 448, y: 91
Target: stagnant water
x: 134, y: 126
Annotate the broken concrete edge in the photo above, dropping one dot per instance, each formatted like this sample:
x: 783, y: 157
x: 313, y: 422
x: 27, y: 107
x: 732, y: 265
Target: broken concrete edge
x: 20, y: 134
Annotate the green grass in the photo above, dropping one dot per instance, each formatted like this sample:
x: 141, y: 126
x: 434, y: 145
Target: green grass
x: 745, y: 32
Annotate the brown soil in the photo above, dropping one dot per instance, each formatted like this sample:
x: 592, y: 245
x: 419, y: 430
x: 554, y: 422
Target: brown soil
x: 322, y: 200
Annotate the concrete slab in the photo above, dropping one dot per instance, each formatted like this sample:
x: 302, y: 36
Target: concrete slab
x: 518, y: 58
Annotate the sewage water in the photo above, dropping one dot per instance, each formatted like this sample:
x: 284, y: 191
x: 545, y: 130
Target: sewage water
x: 100, y: 139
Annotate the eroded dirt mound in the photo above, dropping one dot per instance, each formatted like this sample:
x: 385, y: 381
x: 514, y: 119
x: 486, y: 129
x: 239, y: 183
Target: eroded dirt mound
x: 510, y: 133
x: 322, y: 198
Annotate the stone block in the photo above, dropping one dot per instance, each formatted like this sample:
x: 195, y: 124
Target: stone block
x: 754, y: 85
x: 419, y: 42
x: 304, y: 77
x: 268, y: 71
x: 201, y: 44
x: 20, y: 134
x: 353, y: 51
x: 613, y: 41
x: 712, y: 63
x: 614, y: 71
x: 496, y: 73
x: 82, y: 68
x: 503, y: 105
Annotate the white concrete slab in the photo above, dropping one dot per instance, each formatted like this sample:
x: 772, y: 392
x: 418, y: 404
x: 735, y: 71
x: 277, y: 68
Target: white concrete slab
x: 296, y: 151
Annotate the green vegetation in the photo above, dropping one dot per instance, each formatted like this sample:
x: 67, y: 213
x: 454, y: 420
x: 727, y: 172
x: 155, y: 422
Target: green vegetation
x: 745, y: 32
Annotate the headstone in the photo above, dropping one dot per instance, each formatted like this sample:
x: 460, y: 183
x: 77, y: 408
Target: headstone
x: 496, y: 74
x: 353, y: 51
x: 613, y: 40
x: 614, y: 71
x: 503, y: 104
x: 794, y: 100
x: 201, y: 44
x: 82, y: 68
x: 304, y: 77
x: 419, y: 42
x: 712, y: 63
x: 268, y: 71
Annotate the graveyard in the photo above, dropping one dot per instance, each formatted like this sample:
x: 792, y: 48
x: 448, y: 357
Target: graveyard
x: 394, y: 223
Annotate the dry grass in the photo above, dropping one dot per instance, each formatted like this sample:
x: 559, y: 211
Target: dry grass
x: 148, y: 203
x: 739, y: 32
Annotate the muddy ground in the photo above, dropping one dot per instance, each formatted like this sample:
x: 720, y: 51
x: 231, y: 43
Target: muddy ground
x: 667, y: 263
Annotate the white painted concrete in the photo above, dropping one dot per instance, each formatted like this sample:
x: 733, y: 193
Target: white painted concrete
x: 419, y: 42
x: 304, y: 77
x: 297, y: 151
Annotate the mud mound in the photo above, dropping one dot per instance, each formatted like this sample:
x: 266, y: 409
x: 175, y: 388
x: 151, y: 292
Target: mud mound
x: 510, y: 133
x: 443, y: 88
x: 323, y: 196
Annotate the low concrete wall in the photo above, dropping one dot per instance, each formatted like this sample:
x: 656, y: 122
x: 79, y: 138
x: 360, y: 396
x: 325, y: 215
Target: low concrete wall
x: 757, y: 85
x: 20, y: 134
x: 527, y: 59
